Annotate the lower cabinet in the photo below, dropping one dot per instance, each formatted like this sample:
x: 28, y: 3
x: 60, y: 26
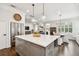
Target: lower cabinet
x: 26, y: 48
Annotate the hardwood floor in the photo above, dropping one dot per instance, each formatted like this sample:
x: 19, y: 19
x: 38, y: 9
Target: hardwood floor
x: 8, y: 52
x: 72, y: 49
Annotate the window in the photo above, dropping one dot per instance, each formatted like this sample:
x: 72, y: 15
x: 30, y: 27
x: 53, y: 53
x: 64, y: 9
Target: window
x: 70, y: 28
x: 62, y: 28
x: 65, y: 28
x: 59, y: 29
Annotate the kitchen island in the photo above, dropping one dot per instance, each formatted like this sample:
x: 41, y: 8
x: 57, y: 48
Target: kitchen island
x: 27, y: 45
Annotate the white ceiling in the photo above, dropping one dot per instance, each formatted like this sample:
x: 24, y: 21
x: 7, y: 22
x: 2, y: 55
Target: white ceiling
x: 52, y: 10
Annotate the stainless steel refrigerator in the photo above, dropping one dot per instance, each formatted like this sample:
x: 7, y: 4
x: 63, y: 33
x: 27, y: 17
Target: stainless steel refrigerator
x: 16, y: 29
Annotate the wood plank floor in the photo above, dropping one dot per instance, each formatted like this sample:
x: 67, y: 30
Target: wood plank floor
x: 72, y: 49
x: 8, y: 52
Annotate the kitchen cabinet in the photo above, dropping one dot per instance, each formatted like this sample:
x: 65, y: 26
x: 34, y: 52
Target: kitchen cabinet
x: 4, y: 35
x: 27, y: 45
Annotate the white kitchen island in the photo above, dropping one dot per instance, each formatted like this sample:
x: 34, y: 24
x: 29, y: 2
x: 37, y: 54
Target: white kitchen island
x: 27, y: 45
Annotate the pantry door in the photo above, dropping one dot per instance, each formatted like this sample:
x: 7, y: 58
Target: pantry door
x: 3, y: 34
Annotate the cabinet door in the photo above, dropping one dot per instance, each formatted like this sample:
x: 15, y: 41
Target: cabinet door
x: 50, y: 49
x: 4, y: 34
x: 22, y: 28
x: 26, y: 48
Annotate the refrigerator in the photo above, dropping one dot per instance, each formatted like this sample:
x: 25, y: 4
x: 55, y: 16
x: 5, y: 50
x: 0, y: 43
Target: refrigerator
x: 16, y: 29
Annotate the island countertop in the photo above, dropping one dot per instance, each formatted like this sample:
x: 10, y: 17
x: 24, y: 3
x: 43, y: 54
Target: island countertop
x: 43, y: 40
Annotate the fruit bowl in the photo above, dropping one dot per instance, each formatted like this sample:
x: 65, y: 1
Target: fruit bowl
x: 36, y: 34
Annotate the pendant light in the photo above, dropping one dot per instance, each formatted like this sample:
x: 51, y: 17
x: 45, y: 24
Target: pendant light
x: 60, y: 14
x: 33, y: 9
x: 43, y: 17
x: 60, y: 18
x: 33, y: 19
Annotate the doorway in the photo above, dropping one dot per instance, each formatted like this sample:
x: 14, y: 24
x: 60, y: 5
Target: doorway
x: 52, y: 29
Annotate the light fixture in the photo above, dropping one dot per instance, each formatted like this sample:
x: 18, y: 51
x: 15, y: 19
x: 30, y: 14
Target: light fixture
x: 60, y: 15
x: 48, y: 25
x: 43, y: 17
x: 33, y: 9
x: 60, y: 18
x: 13, y: 6
x: 33, y: 19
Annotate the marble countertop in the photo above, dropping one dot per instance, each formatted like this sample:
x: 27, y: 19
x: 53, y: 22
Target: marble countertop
x: 43, y: 40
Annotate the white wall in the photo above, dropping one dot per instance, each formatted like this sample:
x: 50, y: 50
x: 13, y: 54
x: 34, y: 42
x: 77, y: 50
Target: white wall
x: 75, y: 23
x: 6, y: 15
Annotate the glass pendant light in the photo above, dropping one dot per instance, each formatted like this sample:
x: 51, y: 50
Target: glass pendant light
x: 43, y: 17
x: 33, y: 19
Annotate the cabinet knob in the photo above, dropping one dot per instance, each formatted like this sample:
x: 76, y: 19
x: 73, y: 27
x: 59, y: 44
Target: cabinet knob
x: 4, y: 34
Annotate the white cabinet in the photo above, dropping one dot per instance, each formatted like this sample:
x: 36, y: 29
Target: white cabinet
x: 4, y: 35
